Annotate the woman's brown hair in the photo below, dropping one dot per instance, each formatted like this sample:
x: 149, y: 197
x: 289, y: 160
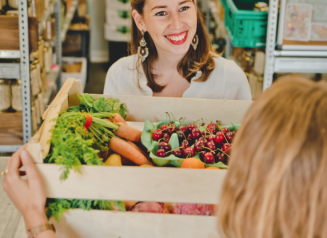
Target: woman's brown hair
x: 276, y: 181
x: 193, y: 61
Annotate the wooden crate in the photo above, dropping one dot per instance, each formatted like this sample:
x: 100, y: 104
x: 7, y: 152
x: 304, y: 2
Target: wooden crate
x: 136, y: 183
x: 9, y: 33
x: 11, y: 128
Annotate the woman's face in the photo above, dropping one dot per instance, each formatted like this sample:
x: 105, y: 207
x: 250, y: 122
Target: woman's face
x: 171, y: 24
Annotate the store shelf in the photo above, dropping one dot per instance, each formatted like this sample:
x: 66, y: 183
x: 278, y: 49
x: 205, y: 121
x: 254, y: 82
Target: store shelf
x: 300, y: 53
x: 300, y: 65
x: 46, y: 16
x: 289, y: 58
x: 9, y: 54
x: 10, y: 70
x: 9, y: 148
x: 304, y: 47
x: 69, y: 18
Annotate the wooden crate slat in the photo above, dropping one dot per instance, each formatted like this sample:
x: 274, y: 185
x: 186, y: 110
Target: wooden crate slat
x: 135, y: 184
x: 79, y: 224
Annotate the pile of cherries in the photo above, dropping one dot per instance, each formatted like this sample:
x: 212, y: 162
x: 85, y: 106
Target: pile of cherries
x: 212, y: 144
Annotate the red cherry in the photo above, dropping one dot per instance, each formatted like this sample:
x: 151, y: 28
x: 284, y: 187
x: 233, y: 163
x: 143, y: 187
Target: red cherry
x: 180, y: 135
x: 166, y: 137
x: 178, y: 152
x: 190, y: 127
x: 226, y: 148
x: 185, y: 144
x: 212, y: 125
x: 211, y: 138
x: 161, y: 153
x: 183, y: 128
x: 209, y: 158
x: 171, y: 129
x: 206, y: 132
x: 230, y: 136
x: 164, y: 128
x: 224, y: 130
x: 212, y: 130
x: 188, y: 152
x: 203, y: 139
x: 219, y: 138
x: 211, y: 145
x: 198, y: 146
x: 196, y: 133
x: 157, y: 134
x: 221, y: 157
x: 190, y: 138
x: 165, y: 146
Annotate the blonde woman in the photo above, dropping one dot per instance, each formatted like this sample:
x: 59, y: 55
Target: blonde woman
x: 276, y: 181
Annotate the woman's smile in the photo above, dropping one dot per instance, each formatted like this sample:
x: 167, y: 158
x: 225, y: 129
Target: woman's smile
x: 177, y: 39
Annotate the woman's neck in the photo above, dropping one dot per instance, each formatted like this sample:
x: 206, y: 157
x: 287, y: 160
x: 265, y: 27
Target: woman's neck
x: 167, y: 61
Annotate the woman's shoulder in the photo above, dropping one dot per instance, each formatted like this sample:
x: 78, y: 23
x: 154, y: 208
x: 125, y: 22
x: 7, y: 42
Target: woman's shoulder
x: 128, y: 62
x: 233, y: 79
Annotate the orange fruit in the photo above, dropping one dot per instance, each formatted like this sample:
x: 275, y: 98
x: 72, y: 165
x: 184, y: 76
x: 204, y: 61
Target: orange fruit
x: 192, y: 163
x: 211, y: 167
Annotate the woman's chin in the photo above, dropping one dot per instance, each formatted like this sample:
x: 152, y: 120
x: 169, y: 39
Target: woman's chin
x: 178, y: 50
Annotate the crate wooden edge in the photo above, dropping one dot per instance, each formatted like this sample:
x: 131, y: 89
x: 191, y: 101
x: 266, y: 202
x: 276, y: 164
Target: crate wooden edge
x: 94, y: 223
x: 129, y: 183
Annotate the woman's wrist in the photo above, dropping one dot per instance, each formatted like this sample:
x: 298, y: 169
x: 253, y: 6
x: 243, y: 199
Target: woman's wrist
x: 34, y: 219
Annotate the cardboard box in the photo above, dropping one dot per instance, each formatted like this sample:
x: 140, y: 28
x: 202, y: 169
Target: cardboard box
x: 81, y: 70
x: 9, y: 33
x: 136, y: 183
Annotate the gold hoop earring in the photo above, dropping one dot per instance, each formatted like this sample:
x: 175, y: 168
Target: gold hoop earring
x: 195, y: 42
x: 142, y: 50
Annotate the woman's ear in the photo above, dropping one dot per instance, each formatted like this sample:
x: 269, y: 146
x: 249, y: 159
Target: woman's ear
x: 138, y: 19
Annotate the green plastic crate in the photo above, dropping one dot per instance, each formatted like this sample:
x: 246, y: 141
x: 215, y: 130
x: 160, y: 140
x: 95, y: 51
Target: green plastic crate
x: 245, y: 27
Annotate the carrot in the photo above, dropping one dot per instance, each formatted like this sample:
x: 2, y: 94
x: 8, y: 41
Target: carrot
x: 138, y: 148
x: 118, y: 118
x: 123, y: 148
x: 125, y: 161
x: 129, y: 133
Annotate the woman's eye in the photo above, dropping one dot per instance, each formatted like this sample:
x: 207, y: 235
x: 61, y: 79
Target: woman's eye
x: 184, y: 9
x: 162, y: 13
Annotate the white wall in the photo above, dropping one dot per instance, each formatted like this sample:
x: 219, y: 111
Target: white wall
x: 99, y: 46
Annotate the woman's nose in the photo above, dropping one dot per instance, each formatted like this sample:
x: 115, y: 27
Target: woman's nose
x: 176, y: 21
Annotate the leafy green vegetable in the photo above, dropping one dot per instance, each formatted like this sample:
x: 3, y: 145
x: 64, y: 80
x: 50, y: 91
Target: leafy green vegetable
x: 73, y: 146
x: 90, y: 105
x: 57, y: 207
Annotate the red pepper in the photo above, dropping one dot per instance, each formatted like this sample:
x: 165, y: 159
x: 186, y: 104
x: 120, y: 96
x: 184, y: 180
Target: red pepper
x: 88, y: 122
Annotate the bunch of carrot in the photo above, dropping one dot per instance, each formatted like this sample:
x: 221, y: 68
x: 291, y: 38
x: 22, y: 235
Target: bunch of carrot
x: 127, y: 148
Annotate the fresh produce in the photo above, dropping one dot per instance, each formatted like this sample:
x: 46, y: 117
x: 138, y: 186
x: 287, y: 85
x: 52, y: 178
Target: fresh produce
x: 192, y: 163
x: 211, y: 167
x: 188, y: 152
x: 82, y: 136
x: 151, y: 207
x: 57, y: 207
x: 127, y: 132
x: 123, y: 148
x: 190, y: 139
x: 194, y: 209
x: 113, y: 160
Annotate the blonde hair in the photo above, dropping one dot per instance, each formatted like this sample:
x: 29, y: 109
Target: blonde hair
x: 276, y: 186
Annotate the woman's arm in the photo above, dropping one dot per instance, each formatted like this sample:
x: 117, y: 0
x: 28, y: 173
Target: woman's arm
x: 28, y: 195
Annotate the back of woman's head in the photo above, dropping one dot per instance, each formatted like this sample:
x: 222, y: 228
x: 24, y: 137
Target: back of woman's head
x: 276, y: 183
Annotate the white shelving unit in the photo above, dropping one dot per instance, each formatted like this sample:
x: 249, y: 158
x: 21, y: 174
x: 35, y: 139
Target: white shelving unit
x: 21, y: 70
x: 289, y: 58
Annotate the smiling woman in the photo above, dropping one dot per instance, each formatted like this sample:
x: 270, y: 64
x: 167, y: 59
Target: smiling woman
x: 172, y: 56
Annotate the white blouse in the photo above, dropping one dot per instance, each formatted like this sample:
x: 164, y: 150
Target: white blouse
x: 227, y: 81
